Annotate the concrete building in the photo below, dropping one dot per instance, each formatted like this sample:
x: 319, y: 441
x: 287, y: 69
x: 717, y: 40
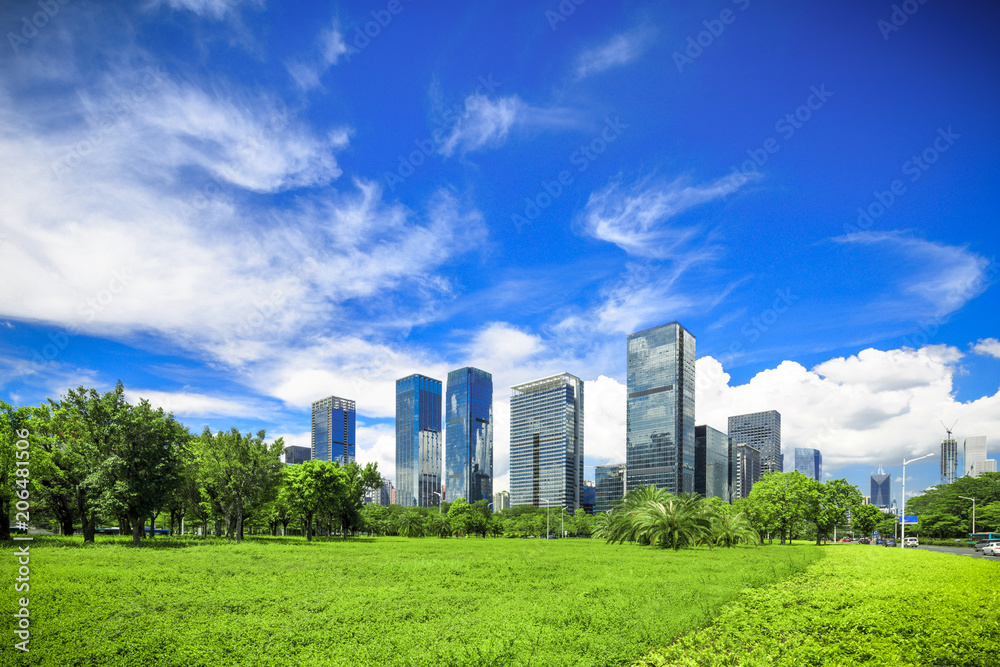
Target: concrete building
x: 974, y: 456
x: 501, y: 501
x: 949, y: 460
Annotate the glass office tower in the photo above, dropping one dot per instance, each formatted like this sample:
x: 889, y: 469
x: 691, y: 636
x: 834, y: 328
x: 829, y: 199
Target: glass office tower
x: 974, y: 456
x: 469, y: 435
x: 609, y: 486
x: 747, y: 470
x: 418, y: 441
x: 713, y: 463
x: 760, y: 430
x: 659, y: 440
x: 333, y: 430
x: 809, y: 462
x: 881, y: 489
x: 546, y: 442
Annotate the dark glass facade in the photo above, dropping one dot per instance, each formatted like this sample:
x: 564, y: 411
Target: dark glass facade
x: 881, y: 491
x: 713, y: 463
x: 469, y: 435
x: 809, y: 462
x: 762, y: 431
x: 609, y: 486
x: 418, y: 441
x: 295, y: 454
x: 546, y: 442
x: 659, y: 440
x: 333, y: 426
x: 748, y: 470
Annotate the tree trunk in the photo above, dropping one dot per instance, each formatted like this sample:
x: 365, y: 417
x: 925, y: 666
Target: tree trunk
x: 239, y: 526
x: 204, y: 527
x: 86, y: 522
x: 5, y: 512
x: 136, y: 532
x: 218, y: 527
x: 66, y: 525
x: 152, y: 526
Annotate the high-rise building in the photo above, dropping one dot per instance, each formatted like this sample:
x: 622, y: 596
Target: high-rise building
x: 762, y: 431
x: 469, y: 435
x: 809, y: 462
x: 295, y: 454
x: 588, y: 496
x: 949, y: 460
x: 974, y: 455
x: 501, y: 501
x: 713, y: 463
x: 659, y: 436
x: 418, y: 441
x: 748, y: 469
x: 546, y: 442
x: 609, y: 486
x: 382, y: 495
x: 881, y: 489
x: 333, y: 430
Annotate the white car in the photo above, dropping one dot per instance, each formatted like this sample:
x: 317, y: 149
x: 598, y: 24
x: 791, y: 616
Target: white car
x: 910, y: 542
x: 992, y: 549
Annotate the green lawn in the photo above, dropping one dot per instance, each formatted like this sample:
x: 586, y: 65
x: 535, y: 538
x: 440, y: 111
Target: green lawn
x: 858, y: 605
x: 388, y: 601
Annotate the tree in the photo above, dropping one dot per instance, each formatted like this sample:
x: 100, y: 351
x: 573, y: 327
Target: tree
x: 90, y: 427
x: 239, y: 472
x: 864, y: 518
x: 460, y: 516
x: 24, y: 464
x: 311, y: 488
x: 143, y: 466
x: 411, y: 523
x: 439, y: 524
x: 729, y: 528
x: 830, y: 504
x: 988, y: 516
x: 781, y: 498
x: 671, y: 521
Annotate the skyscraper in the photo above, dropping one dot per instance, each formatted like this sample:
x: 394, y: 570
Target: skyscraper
x: 809, y: 462
x: 659, y: 436
x: 469, y: 435
x: 501, y: 501
x: 333, y: 430
x: 418, y: 441
x: 949, y: 460
x: 609, y: 486
x: 760, y: 430
x: 881, y: 491
x: 546, y: 442
x: 713, y: 463
x: 974, y: 455
x: 747, y: 470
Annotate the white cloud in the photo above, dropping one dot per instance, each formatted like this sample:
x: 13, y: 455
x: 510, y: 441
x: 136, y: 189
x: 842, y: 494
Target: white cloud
x: 620, y: 50
x: 193, y: 404
x: 987, y: 346
x: 635, y: 217
x: 330, y: 47
x: 484, y: 124
x: 216, y: 9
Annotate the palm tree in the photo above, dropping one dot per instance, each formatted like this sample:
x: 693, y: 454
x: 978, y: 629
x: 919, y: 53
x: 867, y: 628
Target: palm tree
x: 439, y: 525
x: 729, y: 529
x: 411, y: 523
x: 671, y: 521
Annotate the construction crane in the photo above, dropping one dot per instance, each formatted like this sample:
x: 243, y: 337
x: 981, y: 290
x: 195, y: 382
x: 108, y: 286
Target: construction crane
x: 949, y: 456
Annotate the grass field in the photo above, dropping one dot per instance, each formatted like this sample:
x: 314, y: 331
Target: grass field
x: 858, y: 605
x: 389, y: 601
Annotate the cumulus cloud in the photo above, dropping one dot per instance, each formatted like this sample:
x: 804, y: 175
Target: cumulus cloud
x: 194, y: 404
x: 987, y: 346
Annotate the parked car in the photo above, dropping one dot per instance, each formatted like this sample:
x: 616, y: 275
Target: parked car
x: 910, y: 542
x: 890, y: 543
x: 991, y: 549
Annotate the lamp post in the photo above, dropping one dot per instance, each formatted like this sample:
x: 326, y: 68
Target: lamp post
x: 440, y: 499
x: 902, y: 529
x: 546, y: 518
x: 973, y: 511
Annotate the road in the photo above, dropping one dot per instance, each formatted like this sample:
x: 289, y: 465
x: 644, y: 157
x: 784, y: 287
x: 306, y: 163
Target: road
x: 960, y: 551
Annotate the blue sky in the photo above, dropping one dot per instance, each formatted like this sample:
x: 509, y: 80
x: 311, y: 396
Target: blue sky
x: 240, y: 207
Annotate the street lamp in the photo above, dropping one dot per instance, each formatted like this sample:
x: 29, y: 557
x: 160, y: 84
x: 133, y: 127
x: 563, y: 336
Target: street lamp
x: 973, y: 511
x: 440, y: 499
x: 902, y: 530
x: 546, y: 517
